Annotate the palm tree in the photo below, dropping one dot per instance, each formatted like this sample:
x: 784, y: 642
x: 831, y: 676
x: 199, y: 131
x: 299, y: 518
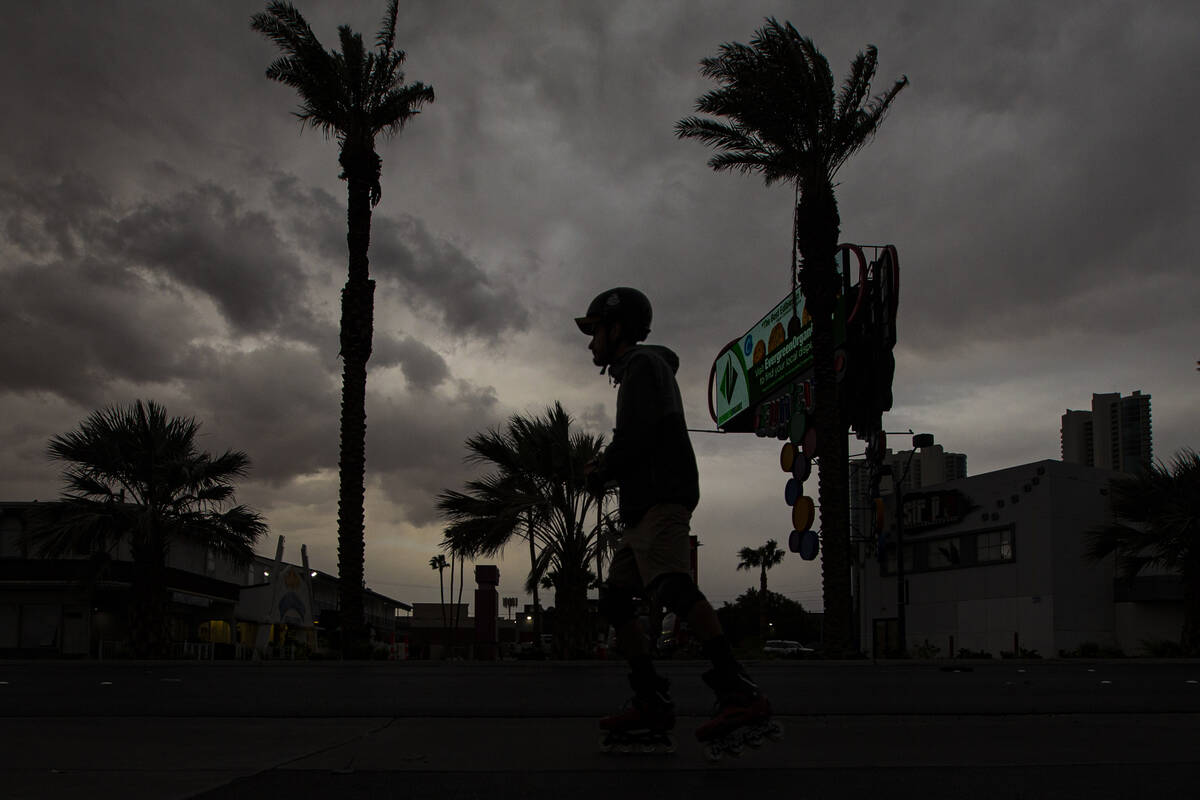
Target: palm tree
x: 353, y: 95
x: 536, y: 489
x: 438, y: 562
x: 136, y: 476
x: 786, y: 123
x: 1157, y: 525
x: 761, y: 558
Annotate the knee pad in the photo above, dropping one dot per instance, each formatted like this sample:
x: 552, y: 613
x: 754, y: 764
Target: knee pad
x: 616, y: 605
x: 677, y: 592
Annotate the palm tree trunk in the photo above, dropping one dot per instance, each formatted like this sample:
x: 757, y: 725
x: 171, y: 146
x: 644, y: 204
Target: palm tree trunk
x: 462, y: 559
x: 537, y: 613
x: 358, y: 299
x: 442, y: 593
x: 449, y: 629
x: 599, y: 541
x: 818, y: 233
x: 762, y: 601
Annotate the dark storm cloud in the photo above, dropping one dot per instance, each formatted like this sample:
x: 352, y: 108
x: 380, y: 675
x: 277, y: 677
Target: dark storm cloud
x: 1044, y: 179
x: 436, y: 275
x: 205, y: 239
x: 424, y: 271
x: 415, y: 443
x: 74, y: 316
x: 422, y: 367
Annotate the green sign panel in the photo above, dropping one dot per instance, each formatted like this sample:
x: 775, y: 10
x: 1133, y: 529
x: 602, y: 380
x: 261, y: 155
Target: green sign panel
x: 770, y: 355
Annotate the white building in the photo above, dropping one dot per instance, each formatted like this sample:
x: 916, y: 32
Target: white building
x: 1116, y: 434
x: 996, y: 563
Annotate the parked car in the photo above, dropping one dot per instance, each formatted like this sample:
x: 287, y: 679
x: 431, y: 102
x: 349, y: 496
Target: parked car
x: 786, y: 648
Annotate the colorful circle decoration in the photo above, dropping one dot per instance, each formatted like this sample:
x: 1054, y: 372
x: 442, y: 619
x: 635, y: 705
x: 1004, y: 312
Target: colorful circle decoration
x: 810, y: 543
x: 794, y: 541
x: 803, y: 513
x: 777, y: 338
x: 810, y: 443
x: 801, y: 467
x: 797, y: 426
x: 787, y: 456
x: 760, y: 351
x: 748, y: 344
x: 792, y: 490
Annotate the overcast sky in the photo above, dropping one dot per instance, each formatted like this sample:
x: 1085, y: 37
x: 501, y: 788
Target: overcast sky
x: 167, y: 232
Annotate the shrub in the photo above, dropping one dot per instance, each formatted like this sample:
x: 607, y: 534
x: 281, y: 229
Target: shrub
x: 965, y: 653
x: 926, y: 649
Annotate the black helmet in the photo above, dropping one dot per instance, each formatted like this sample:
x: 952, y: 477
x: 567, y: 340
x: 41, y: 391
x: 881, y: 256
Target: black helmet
x: 625, y: 305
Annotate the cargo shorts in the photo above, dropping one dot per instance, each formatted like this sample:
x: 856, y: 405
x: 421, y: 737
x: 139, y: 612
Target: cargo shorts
x: 658, y: 545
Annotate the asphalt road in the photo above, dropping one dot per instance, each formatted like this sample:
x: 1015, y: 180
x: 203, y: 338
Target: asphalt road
x: 211, y: 731
x: 583, y: 689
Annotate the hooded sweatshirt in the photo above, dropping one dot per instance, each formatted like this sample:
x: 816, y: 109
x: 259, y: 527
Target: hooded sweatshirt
x: 651, y: 456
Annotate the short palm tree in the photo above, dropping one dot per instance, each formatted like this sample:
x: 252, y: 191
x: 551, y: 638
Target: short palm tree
x: 535, y: 489
x: 136, y: 476
x: 354, y: 95
x: 1157, y: 526
x: 786, y: 122
x: 761, y: 558
x: 438, y: 562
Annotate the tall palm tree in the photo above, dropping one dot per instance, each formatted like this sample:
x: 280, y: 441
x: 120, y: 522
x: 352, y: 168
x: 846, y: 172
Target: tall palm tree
x: 535, y: 489
x: 761, y: 558
x: 1157, y: 525
x: 785, y: 122
x: 438, y: 562
x: 136, y: 476
x: 353, y: 95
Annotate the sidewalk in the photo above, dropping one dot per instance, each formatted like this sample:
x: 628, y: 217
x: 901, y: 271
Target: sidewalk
x: 1059, y: 756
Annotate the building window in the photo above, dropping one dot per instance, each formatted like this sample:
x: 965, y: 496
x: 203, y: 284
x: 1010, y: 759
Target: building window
x: 977, y: 548
x: 994, y: 546
x: 944, y: 553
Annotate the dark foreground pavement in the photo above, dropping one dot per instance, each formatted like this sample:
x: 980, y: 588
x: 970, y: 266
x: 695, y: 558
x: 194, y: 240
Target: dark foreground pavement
x: 1098, y: 740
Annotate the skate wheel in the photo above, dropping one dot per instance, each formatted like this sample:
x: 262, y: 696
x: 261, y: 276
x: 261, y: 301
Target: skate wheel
x: 712, y: 752
x: 774, y: 731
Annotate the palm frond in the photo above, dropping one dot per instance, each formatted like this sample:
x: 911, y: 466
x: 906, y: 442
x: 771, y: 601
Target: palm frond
x: 783, y: 120
x: 386, y: 38
x: 861, y: 127
x: 397, y: 106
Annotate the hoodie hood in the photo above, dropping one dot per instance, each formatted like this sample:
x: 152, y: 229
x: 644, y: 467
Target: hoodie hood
x: 617, y: 368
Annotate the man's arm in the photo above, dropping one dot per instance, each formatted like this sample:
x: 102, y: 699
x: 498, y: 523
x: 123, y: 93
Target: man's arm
x: 645, y: 398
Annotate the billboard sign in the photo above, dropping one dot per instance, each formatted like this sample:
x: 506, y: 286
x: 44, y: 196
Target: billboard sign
x: 774, y: 352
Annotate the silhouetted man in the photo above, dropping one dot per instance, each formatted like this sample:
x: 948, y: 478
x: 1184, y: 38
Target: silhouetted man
x: 652, y: 462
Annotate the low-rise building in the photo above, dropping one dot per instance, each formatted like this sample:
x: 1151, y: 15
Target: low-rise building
x: 995, y: 563
x: 79, y: 604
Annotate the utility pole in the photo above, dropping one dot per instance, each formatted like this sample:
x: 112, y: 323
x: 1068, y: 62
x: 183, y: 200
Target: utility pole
x: 919, y: 441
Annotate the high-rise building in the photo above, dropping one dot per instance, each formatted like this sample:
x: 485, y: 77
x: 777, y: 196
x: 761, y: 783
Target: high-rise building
x: 1116, y: 434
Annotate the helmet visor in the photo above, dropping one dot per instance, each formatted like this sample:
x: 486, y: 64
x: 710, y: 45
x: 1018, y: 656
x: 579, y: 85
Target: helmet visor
x: 587, y: 324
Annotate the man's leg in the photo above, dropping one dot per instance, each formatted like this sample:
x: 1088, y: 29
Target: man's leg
x: 679, y: 593
x: 616, y: 605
